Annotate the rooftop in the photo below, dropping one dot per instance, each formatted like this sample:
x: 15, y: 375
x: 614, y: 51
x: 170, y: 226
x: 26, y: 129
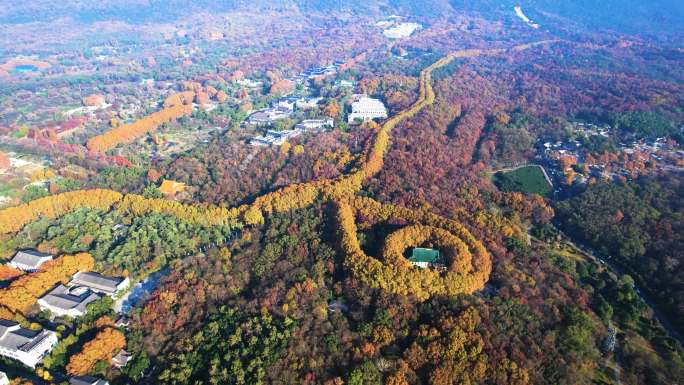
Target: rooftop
x: 96, y: 281
x: 30, y: 258
x: 65, y: 298
x: 14, y: 337
x: 420, y: 254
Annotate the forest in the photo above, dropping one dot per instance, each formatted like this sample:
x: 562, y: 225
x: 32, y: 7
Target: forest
x: 639, y: 226
x: 288, y: 264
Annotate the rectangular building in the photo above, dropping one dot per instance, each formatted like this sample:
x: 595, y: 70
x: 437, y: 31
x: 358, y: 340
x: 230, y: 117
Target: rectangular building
x: 67, y: 301
x: 426, y: 258
x: 315, y: 124
x: 366, y: 108
x: 25, y: 345
x: 99, y: 283
x: 29, y: 260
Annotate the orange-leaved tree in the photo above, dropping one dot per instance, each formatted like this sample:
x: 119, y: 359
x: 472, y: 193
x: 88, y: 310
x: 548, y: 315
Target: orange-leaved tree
x: 13, y: 219
x: 129, y: 132
x: 107, y: 343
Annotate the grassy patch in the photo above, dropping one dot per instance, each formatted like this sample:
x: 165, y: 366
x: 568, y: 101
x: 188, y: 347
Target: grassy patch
x: 528, y: 180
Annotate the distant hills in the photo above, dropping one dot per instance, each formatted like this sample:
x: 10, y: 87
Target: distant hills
x: 627, y: 16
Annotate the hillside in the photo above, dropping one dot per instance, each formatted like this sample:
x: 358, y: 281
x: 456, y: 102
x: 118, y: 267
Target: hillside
x: 628, y: 16
x: 389, y: 192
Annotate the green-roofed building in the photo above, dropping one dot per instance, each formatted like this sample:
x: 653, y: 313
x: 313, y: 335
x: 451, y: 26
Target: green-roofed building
x: 426, y: 258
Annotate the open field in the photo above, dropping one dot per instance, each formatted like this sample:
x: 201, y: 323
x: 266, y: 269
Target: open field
x: 528, y: 180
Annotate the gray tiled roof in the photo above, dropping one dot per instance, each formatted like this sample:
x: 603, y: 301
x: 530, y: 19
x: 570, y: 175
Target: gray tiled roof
x: 96, y: 281
x: 65, y: 298
x: 19, y: 338
x: 7, y: 323
x: 29, y: 257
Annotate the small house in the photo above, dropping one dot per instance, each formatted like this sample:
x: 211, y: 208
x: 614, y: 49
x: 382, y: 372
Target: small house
x: 426, y: 258
x: 29, y: 260
x: 99, y: 283
x: 121, y: 359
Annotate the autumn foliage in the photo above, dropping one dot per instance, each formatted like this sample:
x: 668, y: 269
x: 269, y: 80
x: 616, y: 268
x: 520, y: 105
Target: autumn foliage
x: 93, y: 100
x: 196, y: 214
x: 470, y: 263
x: 452, y: 352
x: 23, y: 292
x: 4, y: 161
x: 282, y: 87
x: 107, y: 343
x: 13, y: 219
x: 179, y: 99
x: 465, y: 274
x: 129, y: 132
x: 456, y: 251
x: 7, y: 273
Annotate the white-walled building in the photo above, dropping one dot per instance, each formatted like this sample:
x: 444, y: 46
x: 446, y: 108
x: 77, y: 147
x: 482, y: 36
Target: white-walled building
x: 401, y: 30
x: 29, y: 260
x: 67, y: 301
x: 25, y: 345
x: 274, y: 138
x: 307, y: 103
x: 3, y: 379
x: 315, y: 124
x: 366, y: 108
x: 99, y: 283
x: 268, y: 116
x: 121, y: 359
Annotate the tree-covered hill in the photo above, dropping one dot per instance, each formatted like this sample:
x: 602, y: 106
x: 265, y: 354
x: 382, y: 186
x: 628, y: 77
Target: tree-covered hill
x: 626, y: 16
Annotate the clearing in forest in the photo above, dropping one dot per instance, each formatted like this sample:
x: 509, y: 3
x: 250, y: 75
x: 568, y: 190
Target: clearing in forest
x: 528, y: 180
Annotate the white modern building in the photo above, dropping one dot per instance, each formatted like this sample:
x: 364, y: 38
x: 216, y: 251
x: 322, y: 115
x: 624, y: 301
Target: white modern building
x: 307, y: 103
x: 68, y: 301
x: 29, y: 260
x: 25, y: 345
x: 268, y: 116
x: 366, y: 108
x: 401, y: 30
x: 315, y: 124
x: 99, y: 283
x: 249, y: 83
x: 274, y: 138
